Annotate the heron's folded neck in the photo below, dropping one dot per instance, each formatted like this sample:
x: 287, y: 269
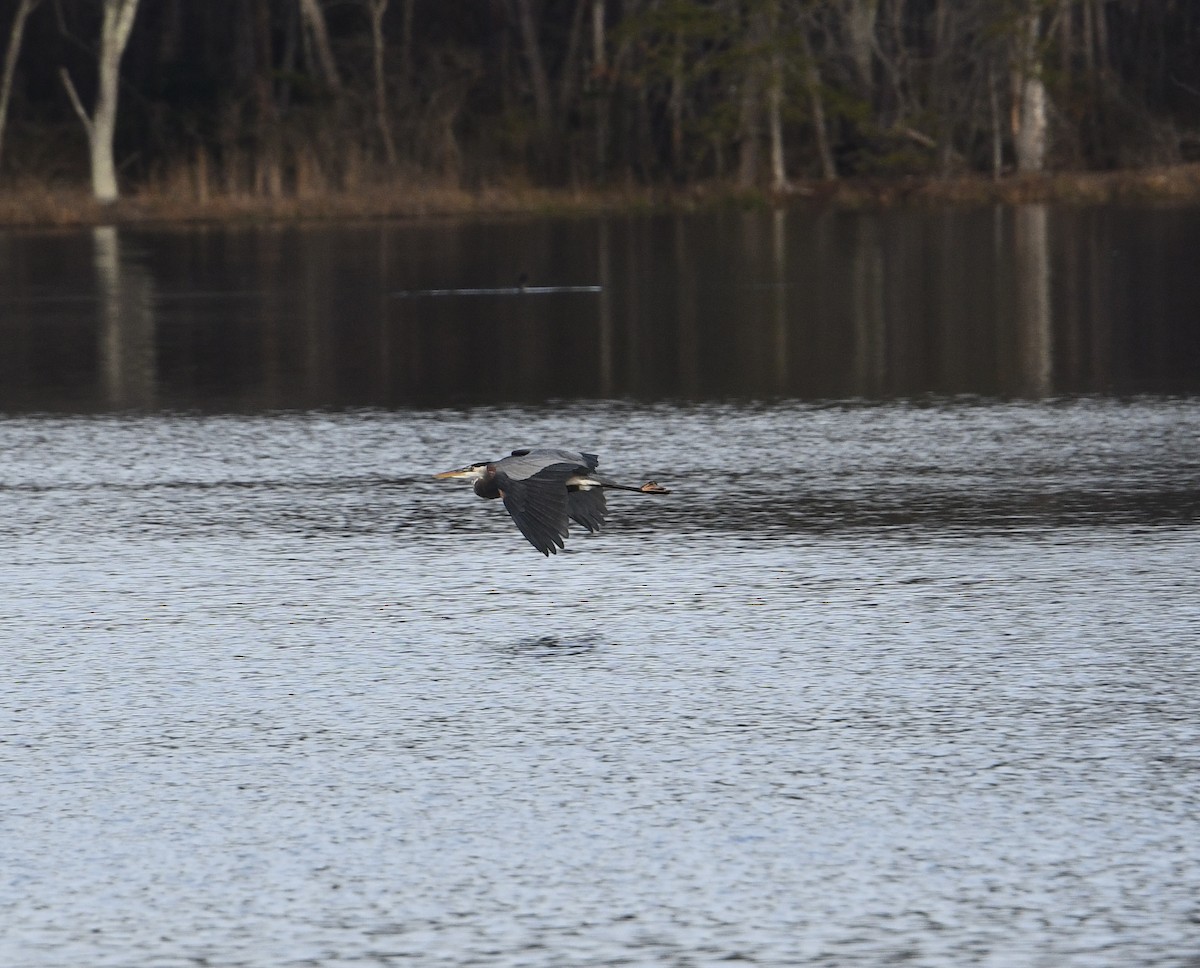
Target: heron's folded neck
x: 486, y: 486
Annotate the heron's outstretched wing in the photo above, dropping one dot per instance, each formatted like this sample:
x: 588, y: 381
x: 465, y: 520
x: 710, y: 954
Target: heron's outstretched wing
x: 538, y: 505
x: 587, y: 506
x: 536, y: 458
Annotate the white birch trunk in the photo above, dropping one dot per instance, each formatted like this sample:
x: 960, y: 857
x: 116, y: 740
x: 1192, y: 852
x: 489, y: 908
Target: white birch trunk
x: 1030, y: 136
x: 101, y: 125
x: 779, y: 182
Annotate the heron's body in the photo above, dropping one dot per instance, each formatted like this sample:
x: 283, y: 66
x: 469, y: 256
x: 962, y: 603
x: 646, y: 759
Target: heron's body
x: 544, y: 489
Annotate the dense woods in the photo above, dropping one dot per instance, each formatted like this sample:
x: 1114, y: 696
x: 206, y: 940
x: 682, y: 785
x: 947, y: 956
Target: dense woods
x: 281, y: 98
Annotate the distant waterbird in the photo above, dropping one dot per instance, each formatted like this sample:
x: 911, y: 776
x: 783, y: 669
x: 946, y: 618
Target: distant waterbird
x: 544, y: 489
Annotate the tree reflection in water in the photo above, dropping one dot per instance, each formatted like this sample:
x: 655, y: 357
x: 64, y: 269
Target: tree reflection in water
x: 1026, y: 302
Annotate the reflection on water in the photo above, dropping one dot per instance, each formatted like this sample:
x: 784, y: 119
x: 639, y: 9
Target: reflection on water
x: 125, y: 310
x: 1026, y: 302
x: 550, y: 647
x: 1031, y: 272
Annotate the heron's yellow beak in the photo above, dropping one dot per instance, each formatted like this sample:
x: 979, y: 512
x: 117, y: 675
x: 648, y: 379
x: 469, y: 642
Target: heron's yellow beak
x: 462, y: 474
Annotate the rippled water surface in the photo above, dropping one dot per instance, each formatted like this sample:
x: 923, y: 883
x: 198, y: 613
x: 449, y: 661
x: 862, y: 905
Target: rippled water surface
x: 876, y: 684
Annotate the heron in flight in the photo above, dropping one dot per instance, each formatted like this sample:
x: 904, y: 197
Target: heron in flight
x: 543, y: 488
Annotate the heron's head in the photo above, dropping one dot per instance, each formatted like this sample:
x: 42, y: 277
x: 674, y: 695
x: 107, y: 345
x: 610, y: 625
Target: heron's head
x: 472, y: 472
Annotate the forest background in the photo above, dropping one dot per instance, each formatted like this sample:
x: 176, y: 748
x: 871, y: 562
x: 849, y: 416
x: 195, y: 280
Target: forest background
x: 196, y: 108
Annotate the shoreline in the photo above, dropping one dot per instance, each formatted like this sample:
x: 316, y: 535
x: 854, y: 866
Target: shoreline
x: 48, y: 206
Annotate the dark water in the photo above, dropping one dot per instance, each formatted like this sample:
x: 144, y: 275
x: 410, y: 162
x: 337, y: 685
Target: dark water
x: 905, y: 679
x: 1031, y: 303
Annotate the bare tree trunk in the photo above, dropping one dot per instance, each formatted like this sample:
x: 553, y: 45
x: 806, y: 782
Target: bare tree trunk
x: 101, y: 125
x: 600, y: 77
x: 775, y: 102
x: 750, y: 101
x: 314, y: 21
x: 1101, y: 22
x: 859, y: 16
x: 1030, y: 134
x: 625, y: 121
x: 779, y: 181
x: 675, y: 107
x: 1088, y: 42
x: 538, y: 78
x: 268, y: 178
x: 377, y: 9
x: 812, y: 80
x: 942, y: 96
x: 747, y: 135
x: 406, y: 58
x: 1066, y: 36
x: 997, y: 140
x: 568, y: 89
x: 643, y: 136
x: 10, y: 62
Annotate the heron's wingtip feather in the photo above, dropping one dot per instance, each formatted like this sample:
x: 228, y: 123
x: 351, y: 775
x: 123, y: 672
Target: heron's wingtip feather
x: 538, y: 507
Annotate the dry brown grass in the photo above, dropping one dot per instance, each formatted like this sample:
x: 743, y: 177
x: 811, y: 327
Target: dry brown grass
x: 189, y: 194
x: 179, y: 199
x: 1180, y: 183
x: 30, y: 203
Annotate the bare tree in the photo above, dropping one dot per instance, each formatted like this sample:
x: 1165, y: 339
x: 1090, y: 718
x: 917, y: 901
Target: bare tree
x: 593, y: 90
x: 24, y: 9
x: 775, y: 101
x: 997, y: 139
x: 675, y: 104
x: 570, y: 80
x: 268, y: 175
x: 1029, y: 134
x: 101, y: 124
x: 538, y: 78
x: 812, y: 83
x: 314, y: 22
x: 377, y: 8
x: 858, y: 25
x: 406, y: 42
x: 598, y: 81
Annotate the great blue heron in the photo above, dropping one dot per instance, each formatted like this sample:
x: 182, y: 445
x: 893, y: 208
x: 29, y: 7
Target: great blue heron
x: 543, y: 488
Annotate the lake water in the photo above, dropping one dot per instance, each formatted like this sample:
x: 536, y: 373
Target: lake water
x: 1024, y: 303
x: 904, y: 670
